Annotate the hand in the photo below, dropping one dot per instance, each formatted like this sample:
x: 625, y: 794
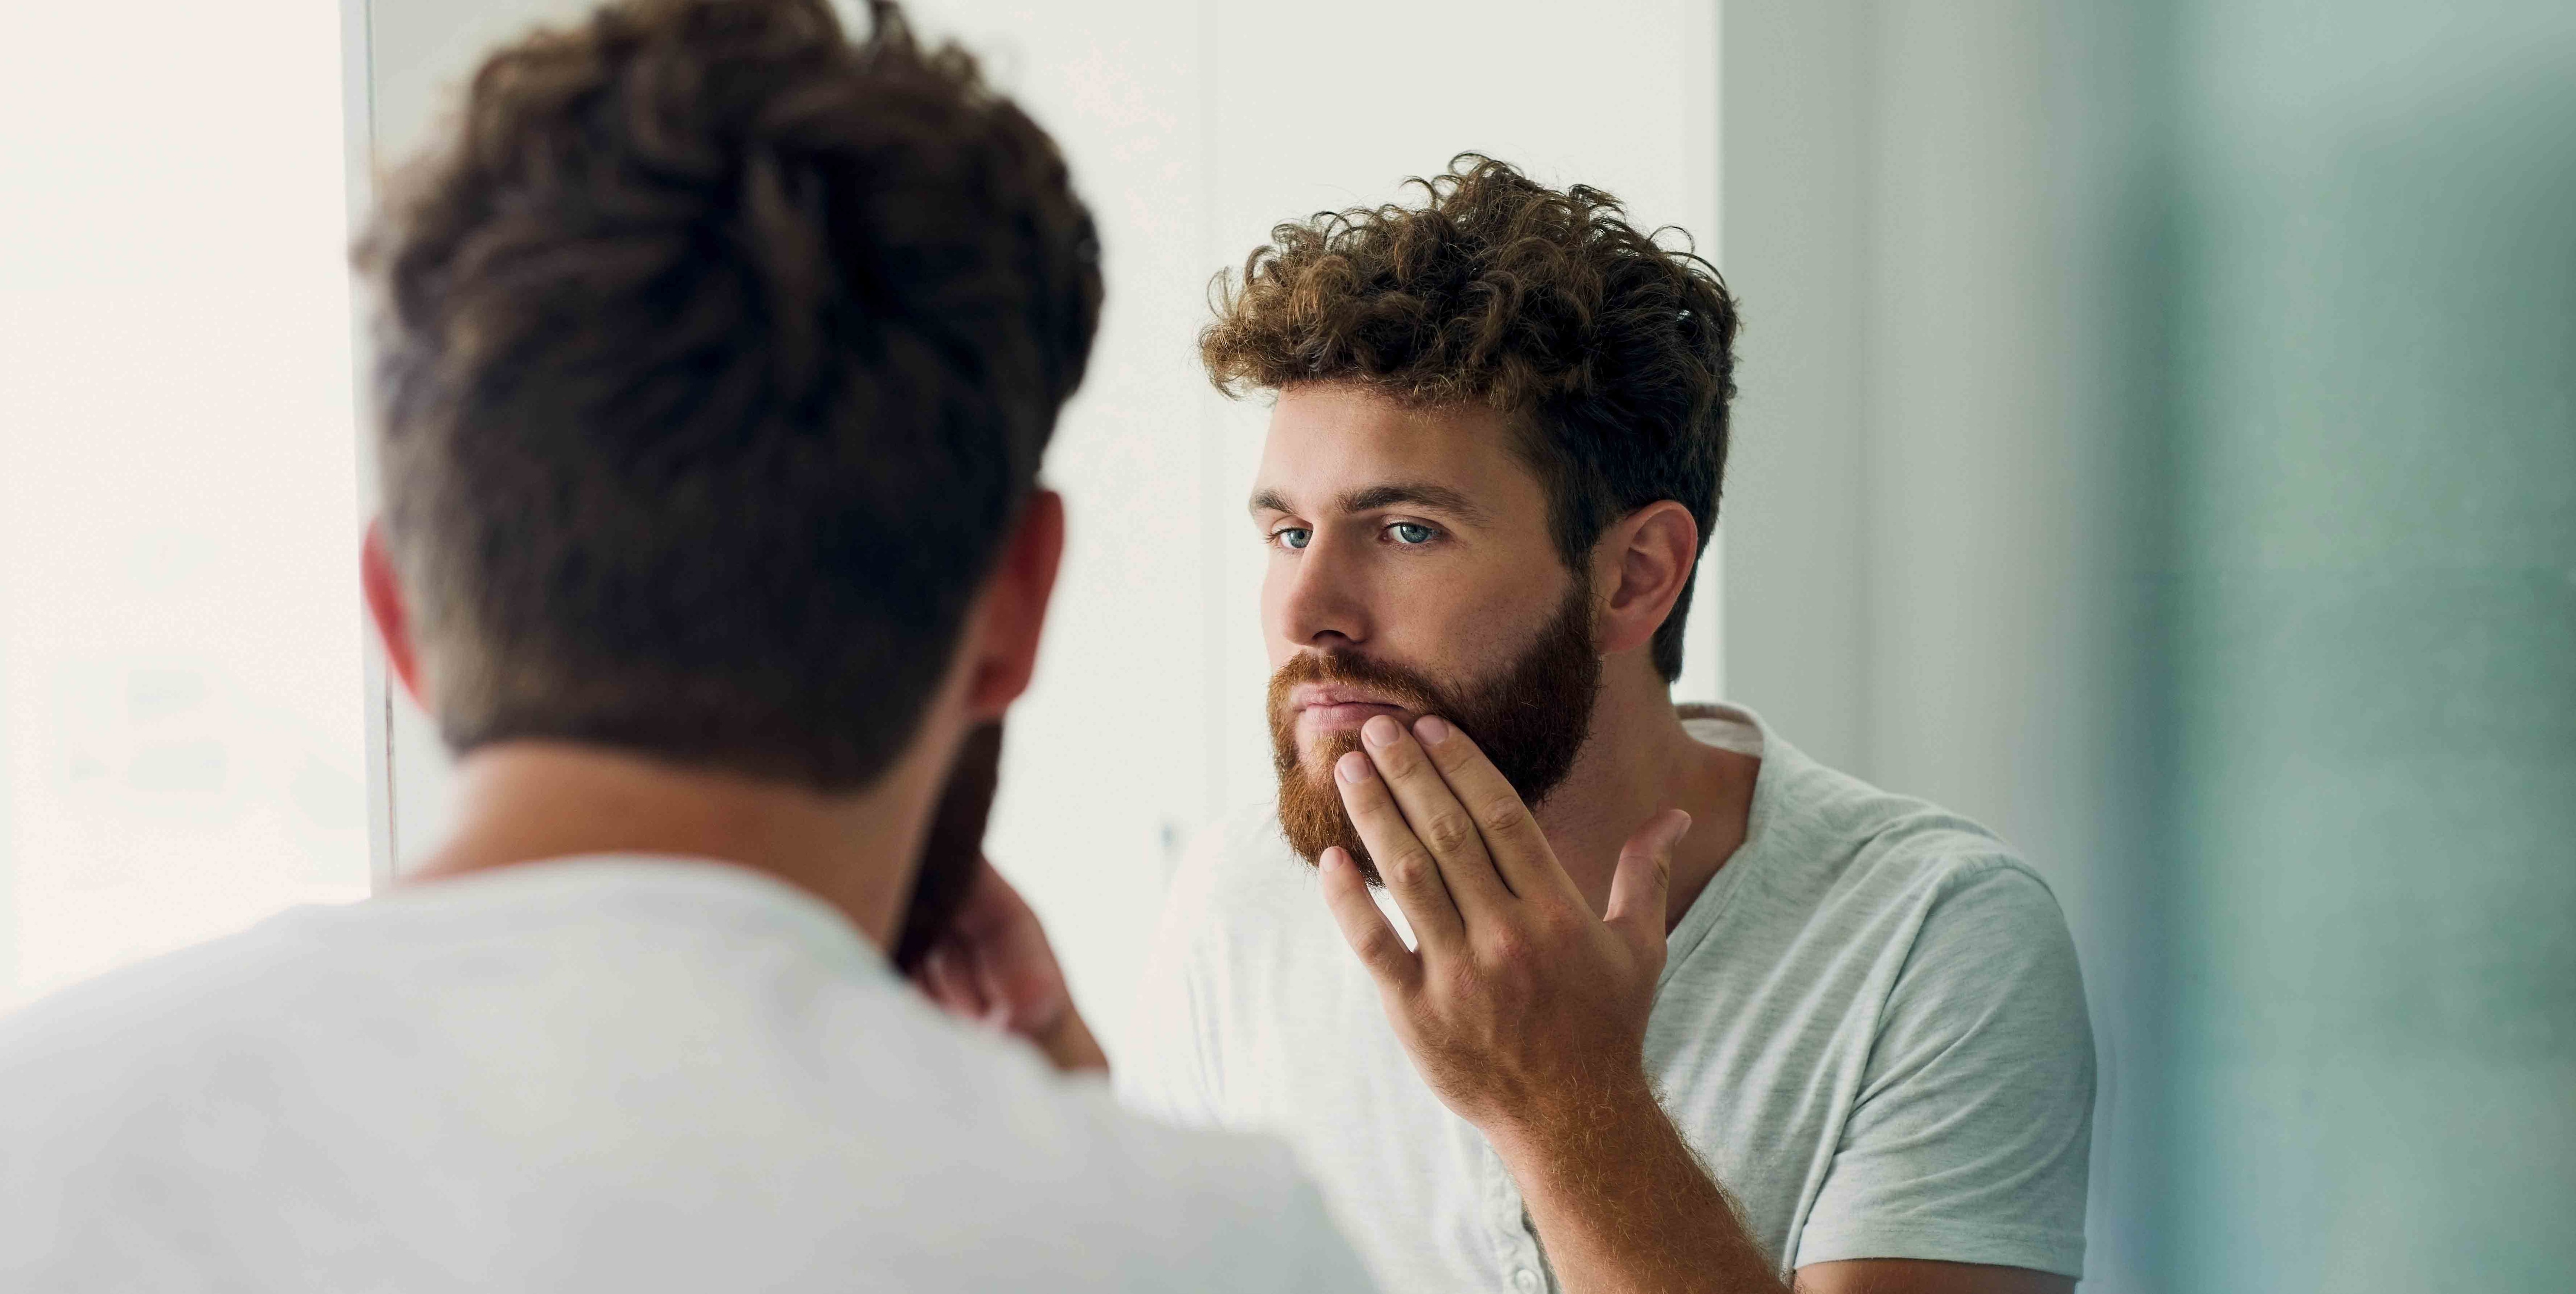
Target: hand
x: 1521, y: 1009
x: 995, y: 967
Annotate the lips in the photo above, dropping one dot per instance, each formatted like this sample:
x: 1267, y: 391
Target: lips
x: 1336, y: 707
x: 1328, y: 694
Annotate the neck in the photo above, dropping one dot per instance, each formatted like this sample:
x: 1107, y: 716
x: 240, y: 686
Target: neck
x: 531, y: 801
x: 1639, y: 760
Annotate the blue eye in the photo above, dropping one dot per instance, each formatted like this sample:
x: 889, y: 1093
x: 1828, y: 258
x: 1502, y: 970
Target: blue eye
x: 1292, y: 536
x: 1412, y: 532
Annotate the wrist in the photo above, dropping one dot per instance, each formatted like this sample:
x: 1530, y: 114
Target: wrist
x: 1571, y: 1118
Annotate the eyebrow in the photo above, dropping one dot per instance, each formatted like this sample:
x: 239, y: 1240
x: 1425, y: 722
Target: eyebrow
x: 1421, y: 494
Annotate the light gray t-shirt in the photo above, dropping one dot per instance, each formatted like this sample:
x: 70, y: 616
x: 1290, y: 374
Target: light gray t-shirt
x: 610, y: 1074
x: 1869, y: 1026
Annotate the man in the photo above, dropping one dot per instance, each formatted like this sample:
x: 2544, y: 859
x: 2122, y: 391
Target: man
x: 718, y: 353
x: 1649, y: 1000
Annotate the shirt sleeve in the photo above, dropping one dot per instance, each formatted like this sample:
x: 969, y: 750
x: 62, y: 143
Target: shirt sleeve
x: 1969, y: 1138
x: 1162, y: 1072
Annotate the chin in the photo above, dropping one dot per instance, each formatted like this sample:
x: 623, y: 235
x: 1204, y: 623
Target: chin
x: 1316, y: 768
x: 1316, y: 754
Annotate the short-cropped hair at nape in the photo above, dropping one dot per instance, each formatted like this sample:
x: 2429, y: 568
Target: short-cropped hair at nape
x: 716, y: 350
x: 1610, y: 349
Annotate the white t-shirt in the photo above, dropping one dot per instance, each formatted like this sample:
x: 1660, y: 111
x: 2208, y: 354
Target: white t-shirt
x: 602, y: 1074
x: 1869, y: 1026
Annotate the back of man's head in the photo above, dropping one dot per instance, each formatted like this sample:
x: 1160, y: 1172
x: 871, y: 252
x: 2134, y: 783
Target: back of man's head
x: 717, y: 352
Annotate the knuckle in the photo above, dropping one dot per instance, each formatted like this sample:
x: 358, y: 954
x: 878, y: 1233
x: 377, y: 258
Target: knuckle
x: 1365, y: 798
x: 1499, y: 813
x: 1449, y: 760
x: 1381, y: 945
x: 1448, y: 832
x: 1410, y: 866
x: 1395, y: 760
x: 1461, y: 982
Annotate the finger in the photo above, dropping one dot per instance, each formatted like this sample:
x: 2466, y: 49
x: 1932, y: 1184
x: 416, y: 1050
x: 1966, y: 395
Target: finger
x: 933, y: 984
x: 1001, y: 1005
x: 1519, y: 849
x: 1434, y: 815
x: 964, y: 991
x: 1379, y: 947
x: 1640, y: 888
x: 948, y: 984
x: 1411, y: 874
x: 991, y: 906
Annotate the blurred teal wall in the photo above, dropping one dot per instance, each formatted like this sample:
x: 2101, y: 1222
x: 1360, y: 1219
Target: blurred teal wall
x: 2369, y: 372
x: 2158, y: 441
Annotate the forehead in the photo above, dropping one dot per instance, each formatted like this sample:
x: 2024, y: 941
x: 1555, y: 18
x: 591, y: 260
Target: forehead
x: 1331, y: 439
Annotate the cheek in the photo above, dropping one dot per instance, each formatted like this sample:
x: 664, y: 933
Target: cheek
x: 1461, y: 627
x: 1274, y: 632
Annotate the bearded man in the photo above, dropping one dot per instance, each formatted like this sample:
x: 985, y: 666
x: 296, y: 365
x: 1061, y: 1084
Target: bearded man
x: 1553, y: 985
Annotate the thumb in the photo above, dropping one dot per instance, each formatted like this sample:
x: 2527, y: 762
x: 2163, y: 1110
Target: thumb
x: 1639, y: 887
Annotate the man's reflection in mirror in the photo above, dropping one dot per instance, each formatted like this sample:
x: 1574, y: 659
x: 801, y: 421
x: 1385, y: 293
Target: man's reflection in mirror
x: 1531, y: 1027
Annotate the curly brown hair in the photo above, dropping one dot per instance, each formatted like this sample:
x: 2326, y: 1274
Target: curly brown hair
x: 1613, y: 354
x: 716, y: 354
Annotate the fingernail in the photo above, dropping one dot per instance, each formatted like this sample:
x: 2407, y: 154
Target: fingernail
x: 1432, y: 729
x: 1680, y: 831
x: 1381, y: 731
x: 1354, y: 768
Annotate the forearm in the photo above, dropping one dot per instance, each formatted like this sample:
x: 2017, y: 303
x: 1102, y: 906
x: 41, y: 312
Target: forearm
x: 1624, y: 1207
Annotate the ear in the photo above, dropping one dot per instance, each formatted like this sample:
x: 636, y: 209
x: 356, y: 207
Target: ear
x: 1011, y: 614
x: 385, y: 606
x: 1640, y: 567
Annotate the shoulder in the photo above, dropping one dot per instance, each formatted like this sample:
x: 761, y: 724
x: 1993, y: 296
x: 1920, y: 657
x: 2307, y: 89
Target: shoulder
x: 1130, y: 1202
x: 1835, y: 837
x: 765, y: 1066
x: 1840, y: 866
x: 1965, y: 938
x: 234, y: 983
x: 1216, y: 1209
x: 1989, y: 898
x: 1990, y: 950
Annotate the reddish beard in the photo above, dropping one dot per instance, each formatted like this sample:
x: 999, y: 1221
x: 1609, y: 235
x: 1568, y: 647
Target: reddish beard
x: 1530, y: 720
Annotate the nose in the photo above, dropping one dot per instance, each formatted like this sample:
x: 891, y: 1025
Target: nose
x: 1319, y: 600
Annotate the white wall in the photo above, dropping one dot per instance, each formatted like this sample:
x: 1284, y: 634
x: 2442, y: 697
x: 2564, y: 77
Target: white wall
x: 1192, y: 126
x: 180, y: 734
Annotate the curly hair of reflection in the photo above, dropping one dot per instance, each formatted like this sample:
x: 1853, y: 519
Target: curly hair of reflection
x: 1612, y: 353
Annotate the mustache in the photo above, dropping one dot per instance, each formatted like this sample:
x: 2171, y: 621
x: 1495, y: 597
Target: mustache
x: 1402, y: 686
